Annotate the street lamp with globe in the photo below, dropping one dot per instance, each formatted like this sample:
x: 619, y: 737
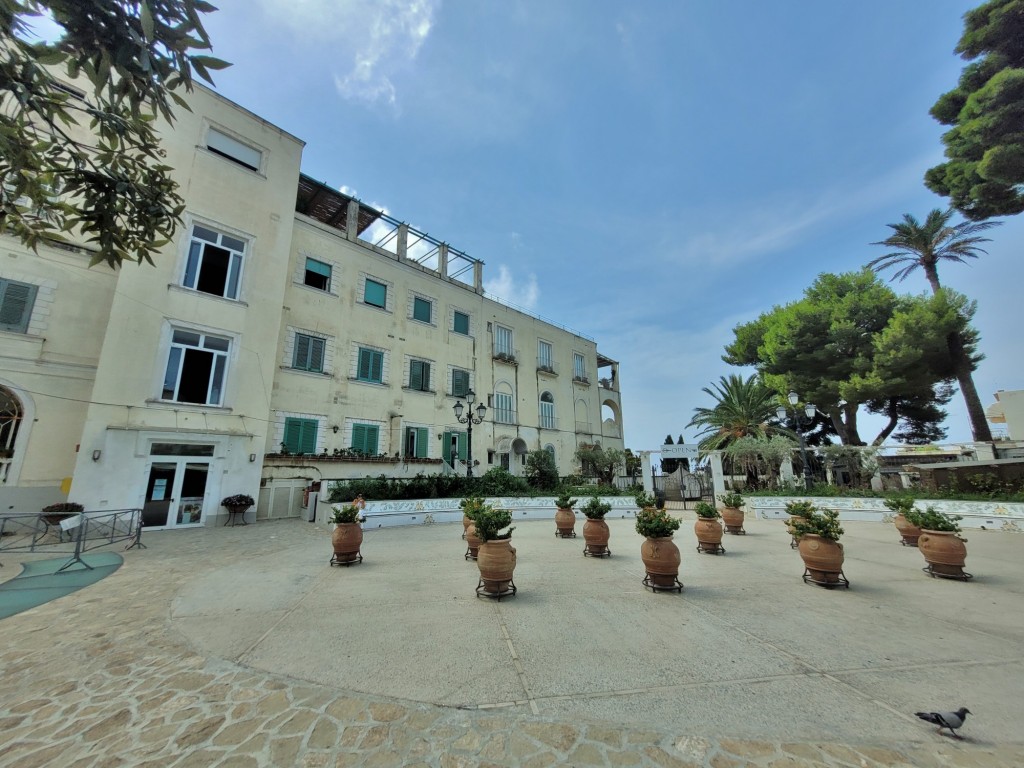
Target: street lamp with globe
x: 469, y: 420
x: 801, y: 420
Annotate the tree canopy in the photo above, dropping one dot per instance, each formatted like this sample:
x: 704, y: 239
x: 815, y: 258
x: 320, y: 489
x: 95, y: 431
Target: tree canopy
x: 852, y: 342
x: 984, y: 173
x: 743, y: 408
x: 88, y: 163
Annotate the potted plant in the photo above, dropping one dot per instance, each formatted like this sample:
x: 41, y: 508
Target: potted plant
x: 238, y: 504
x: 52, y: 514
x: 900, y: 505
x: 708, y: 529
x: 731, y: 513
x: 819, y: 534
x: 797, y: 510
x: 644, y: 500
x: 595, y: 529
x: 471, y: 506
x: 659, y: 553
x: 940, y: 543
x: 348, y: 534
x: 565, y: 519
x: 497, y: 557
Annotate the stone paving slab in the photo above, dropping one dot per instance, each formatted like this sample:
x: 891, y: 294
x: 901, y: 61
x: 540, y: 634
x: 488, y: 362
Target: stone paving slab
x: 113, y: 676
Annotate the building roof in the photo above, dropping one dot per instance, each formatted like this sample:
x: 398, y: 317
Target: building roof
x: 326, y: 204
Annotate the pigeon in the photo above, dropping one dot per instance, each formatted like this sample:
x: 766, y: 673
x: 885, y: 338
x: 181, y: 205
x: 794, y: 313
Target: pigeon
x: 951, y: 720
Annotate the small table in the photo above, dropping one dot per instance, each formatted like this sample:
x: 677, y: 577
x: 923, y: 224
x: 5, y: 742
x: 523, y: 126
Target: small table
x: 233, y: 512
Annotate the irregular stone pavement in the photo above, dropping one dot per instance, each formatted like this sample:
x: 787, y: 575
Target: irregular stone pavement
x: 102, y: 678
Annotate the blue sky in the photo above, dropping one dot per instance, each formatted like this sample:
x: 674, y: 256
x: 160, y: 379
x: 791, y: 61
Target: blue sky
x: 651, y: 173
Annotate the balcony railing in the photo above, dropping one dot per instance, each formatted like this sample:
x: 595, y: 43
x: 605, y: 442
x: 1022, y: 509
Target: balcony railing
x: 506, y: 355
x: 581, y: 378
x: 547, y: 365
x: 503, y: 415
x: 548, y: 422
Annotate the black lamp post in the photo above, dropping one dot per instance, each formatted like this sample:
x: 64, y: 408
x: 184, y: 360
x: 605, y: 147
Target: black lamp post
x: 469, y: 421
x: 800, y: 421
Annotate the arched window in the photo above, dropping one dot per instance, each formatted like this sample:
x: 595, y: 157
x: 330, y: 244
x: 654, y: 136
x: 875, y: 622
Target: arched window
x: 11, y: 415
x: 547, y: 411
x: 503, y: 404
x: 551, y: 449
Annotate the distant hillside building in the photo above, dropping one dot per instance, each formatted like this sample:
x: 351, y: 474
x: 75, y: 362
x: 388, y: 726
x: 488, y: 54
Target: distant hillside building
x: 290, y: 334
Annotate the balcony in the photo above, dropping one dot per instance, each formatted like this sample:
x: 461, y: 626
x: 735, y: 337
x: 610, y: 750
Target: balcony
x: 506, y: 355
x: 548, y: 422
x: 546, y: 366
x: 581, y: 379
x: 503, y: 416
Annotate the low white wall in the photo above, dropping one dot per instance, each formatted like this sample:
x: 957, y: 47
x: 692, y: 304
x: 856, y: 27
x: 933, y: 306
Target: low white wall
x: 990, y: 515
x: 383, y: 514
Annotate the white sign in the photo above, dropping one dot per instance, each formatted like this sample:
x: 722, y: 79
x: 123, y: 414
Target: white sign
x: 71, y: 522
x: 679, y: 452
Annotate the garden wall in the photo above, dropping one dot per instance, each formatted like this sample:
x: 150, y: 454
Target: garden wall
x: 383, y: 514
x: 989, y: 515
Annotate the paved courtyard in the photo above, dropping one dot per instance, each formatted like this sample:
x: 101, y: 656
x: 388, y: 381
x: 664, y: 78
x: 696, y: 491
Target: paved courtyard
x: 242, y: 647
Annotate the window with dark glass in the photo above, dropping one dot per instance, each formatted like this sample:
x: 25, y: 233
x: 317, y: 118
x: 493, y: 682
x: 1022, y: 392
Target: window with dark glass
x: 318, y: 275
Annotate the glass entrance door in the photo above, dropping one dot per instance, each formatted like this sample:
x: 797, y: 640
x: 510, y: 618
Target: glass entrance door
x: 175, y: 493
x: 156, y: 510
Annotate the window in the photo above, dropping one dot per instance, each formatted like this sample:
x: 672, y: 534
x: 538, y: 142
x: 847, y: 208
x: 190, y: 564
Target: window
x: 300, y: 435
x: 460, y: 382
x: 544, y: 356
x: 370, y: 366
x: 225, y: 146
x: 460, y: 323
x: 419, y: 375
x: 214, y: 263
x: 502, y: 341
x: 195, y: 368
x: 16, y: 300
x: 547, y: 411
x: 364, y: 438
x: 416, y: 442
x: 503, y: 411
x: 318, y: 275
x: 579, y: 367
x: 375, y: 294
x: 422, y: 310
x: 309, y: 353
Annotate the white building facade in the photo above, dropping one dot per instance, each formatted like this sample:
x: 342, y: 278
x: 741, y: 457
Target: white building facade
x: 289, y: 335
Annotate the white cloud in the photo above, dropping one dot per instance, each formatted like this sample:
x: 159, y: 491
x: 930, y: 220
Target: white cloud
x: 505, y: 288
x: 370, y: 40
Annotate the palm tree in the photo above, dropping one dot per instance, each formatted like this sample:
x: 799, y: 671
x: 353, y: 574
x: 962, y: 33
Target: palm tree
x: 925, y: 245
x: 743, y: 408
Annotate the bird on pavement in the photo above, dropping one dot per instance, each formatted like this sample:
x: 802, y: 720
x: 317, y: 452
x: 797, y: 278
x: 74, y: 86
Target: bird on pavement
x: 951, y: 720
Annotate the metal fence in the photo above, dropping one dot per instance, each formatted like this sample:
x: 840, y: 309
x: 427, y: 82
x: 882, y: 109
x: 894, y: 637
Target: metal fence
x: 70, y: 534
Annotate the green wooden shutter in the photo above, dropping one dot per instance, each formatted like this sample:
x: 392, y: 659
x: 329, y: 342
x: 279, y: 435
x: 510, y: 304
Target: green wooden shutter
x: 316, y: 354
x: 421, y: 442
x: 301, y: 357
x: 16, y: 300
x: 371, y: 365
x: 416, y: 375
x: 318, y: 268
x: 377, y: 366
x: 365, y: 437
x: 460, y: 382
x: 460, y: 323
x: 300, y: 435
x: 462, y: 445
x: 363, y: 371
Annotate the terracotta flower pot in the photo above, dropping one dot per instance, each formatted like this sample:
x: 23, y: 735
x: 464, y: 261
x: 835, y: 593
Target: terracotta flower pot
x: 472, y: 542
x: 822, y: 557
x: 596, y: 534
x: 346, y: 540
x: 466, y: 522
x: 661, y: 560
x: 709, y: 534
x: 945, y: 552
x: 909, y: 532
x: 496, y: 560
x: 565, y: 522
x: 733, y: 518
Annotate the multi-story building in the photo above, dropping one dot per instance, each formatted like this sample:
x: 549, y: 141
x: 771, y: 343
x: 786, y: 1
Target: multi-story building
x: 289, y: 335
